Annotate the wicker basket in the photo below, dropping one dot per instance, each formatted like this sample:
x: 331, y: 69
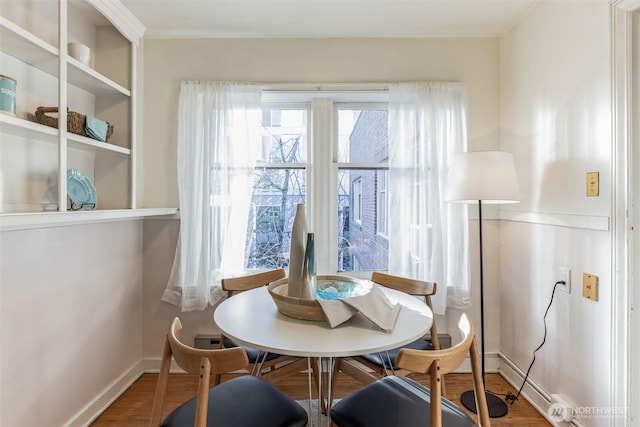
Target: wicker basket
x: 75, y: 121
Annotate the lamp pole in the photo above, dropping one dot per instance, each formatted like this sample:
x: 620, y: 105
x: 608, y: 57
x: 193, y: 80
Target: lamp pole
x: 481, y: 287
x: 496, y: 406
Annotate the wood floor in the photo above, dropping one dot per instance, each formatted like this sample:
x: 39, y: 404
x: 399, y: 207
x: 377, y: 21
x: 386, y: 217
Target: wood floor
x: 134, y: 406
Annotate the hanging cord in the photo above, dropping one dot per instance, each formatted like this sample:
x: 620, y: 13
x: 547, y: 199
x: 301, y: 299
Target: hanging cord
x: 510, y: 396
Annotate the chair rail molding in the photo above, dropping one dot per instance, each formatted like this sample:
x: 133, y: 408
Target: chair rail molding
x: 589, y: 222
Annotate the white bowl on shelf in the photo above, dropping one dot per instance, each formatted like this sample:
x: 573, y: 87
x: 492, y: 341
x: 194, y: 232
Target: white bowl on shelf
x: 80, y: 52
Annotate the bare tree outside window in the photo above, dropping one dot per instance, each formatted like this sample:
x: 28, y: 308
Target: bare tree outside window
x: 280, y: 182
x: 277, y: 189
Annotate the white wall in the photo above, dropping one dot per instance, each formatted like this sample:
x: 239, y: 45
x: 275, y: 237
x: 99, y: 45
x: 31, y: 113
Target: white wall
x: 475, y: 62
x: 160, y: 238
x: 70, y: 320
x: 556, y: 119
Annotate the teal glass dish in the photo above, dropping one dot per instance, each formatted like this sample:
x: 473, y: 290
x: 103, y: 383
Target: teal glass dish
x: 337, y: 289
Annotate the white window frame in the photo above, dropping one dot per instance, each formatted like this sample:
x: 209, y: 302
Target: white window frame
x: 382, y: 205
x: 322, y: 163
x: 356, y: 200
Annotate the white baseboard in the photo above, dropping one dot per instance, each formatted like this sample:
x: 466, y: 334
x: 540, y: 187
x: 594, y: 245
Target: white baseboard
x: 100, y: 403
x: 97, y: 406
x: 152, y: 366
x: 532, y: 392
x: 491, y: 364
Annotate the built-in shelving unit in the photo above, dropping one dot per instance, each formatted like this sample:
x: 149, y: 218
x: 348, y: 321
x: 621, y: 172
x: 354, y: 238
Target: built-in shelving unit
x: 34, y: 158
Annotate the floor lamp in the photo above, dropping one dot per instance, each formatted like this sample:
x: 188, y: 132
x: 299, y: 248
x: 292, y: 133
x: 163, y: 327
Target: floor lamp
x: 483, y: 177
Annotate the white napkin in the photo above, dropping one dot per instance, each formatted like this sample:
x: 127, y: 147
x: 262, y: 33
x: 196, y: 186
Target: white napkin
x: 337, y: 311
x: 374, y: 305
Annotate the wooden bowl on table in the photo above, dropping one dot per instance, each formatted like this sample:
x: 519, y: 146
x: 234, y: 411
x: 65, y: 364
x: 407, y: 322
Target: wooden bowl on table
x: 298, y: 308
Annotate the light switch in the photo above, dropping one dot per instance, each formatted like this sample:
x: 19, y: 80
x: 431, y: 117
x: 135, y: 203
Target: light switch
x: 590, y: 286
x: 593, y: 184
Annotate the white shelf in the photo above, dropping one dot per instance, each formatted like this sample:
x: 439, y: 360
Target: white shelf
x: 26, y: 221
x: 84, y: 143
x: 26, y: 129
x: 87, y: 78
x: 26, y: 47
x: 31, y: 130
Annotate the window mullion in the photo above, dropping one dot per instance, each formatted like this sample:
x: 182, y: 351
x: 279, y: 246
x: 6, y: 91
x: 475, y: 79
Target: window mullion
x: 323, y: 185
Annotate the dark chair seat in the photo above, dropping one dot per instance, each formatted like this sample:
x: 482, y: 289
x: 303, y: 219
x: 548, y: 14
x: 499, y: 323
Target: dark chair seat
x: 254, y: 355
x: 245, y: 401
x: 394, y: 401
x: 382, y: 359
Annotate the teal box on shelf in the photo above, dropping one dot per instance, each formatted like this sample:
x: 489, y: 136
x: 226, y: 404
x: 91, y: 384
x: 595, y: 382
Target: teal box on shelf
x: 7, y: 95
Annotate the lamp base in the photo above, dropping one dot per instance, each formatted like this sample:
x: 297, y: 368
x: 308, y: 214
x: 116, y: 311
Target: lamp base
x: 497, y: 407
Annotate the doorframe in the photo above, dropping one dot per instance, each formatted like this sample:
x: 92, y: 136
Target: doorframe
x: 625, y: 332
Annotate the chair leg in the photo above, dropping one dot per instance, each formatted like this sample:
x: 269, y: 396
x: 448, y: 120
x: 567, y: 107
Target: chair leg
x: 478, y: 385
x: 435, y: 412
x: 442, y: 386
x: 275, y: 375
x: 347, y: 367
x: 435, y: 340
x: 202, y: 403
x: 337, y: 365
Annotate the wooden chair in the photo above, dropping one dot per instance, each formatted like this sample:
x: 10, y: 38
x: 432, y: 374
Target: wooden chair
x: 241, y: 401
x: 267, y: 365
x: 395, y: 401
x: 382, y: 363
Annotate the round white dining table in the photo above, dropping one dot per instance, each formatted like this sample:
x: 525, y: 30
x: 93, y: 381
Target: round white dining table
x: 252, y: 318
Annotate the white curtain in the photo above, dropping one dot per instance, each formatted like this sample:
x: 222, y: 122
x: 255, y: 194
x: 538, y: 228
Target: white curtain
x: 216, y: 147
x: 428, y: 238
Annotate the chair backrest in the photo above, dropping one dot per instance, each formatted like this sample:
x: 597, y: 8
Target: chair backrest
x: 252, y: 281
x: 409, y: 286
x: 189, y: 358
x: 439, y: 362
x: 204, y: 363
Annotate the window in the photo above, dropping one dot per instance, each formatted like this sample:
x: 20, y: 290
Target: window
x: 339, y: 186
x: 363, y: 155
x: 253, y: 152
x: 279, y: 185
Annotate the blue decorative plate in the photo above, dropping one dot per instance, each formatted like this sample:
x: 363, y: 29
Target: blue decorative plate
x: 335, y: 289
x: 80, y: 190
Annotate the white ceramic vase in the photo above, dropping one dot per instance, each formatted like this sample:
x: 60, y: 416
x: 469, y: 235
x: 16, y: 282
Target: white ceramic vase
x: 297, y: 252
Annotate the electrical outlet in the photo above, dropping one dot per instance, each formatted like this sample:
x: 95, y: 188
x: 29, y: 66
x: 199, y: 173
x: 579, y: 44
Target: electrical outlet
x: 564, y: 275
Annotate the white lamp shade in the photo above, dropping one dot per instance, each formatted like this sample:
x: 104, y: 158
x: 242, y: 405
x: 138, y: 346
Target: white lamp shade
x: 489, y: 176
